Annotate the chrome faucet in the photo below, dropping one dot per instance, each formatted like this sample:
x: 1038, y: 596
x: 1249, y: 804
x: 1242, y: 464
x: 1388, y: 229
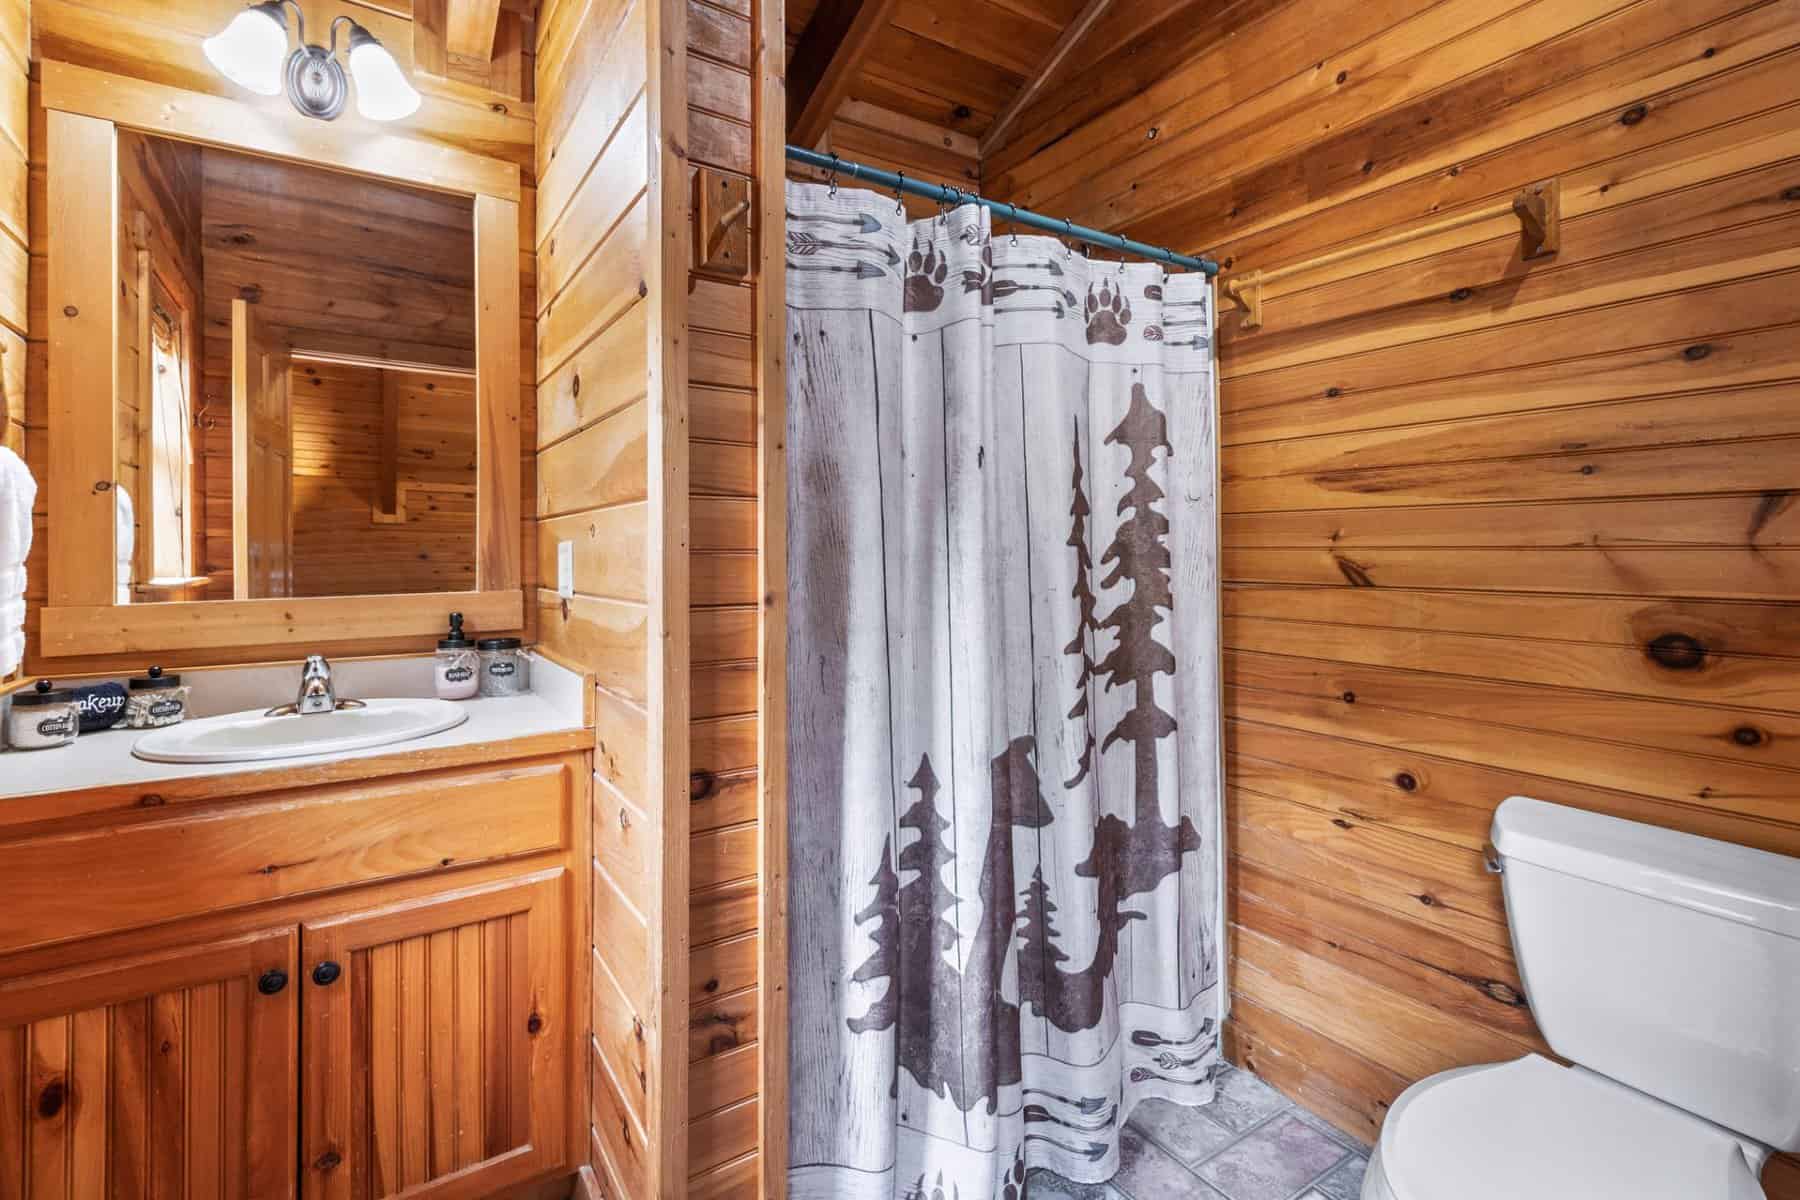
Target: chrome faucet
x: 316, y: 694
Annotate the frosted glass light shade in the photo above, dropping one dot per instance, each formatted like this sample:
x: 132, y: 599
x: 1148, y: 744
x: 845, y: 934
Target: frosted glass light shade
x: 382, y: 92
x: 250, y: 50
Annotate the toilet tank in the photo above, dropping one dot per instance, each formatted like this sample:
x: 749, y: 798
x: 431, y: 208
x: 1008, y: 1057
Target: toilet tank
x: 1665, y: 961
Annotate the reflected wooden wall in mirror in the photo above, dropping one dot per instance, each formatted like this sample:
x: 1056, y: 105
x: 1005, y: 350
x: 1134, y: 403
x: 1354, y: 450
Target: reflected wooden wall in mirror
x: 290, y: 388
x: 296, y: 398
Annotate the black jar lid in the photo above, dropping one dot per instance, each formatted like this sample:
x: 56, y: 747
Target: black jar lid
x: 456, y: 639
x: 43, y: 692
x: 507, y: 643
x: 155, y: 679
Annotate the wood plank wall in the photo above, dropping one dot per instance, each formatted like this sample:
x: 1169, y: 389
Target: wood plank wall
x: 15, y: 42
x: 159, y: 42
x: 723, y: 425
x: 339, y: 548
x: 1491, y: 527
x: 593, y: 381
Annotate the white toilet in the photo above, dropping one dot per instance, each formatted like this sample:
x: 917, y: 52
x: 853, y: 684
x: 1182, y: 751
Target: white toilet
x: 1667, y: 967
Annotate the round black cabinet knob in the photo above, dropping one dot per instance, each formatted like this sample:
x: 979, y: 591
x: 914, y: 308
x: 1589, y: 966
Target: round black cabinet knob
x: 326, y: 973
x: 271, y: 982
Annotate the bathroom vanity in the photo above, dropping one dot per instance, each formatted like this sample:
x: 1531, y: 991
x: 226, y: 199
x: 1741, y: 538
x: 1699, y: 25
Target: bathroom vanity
x: 347, y: 975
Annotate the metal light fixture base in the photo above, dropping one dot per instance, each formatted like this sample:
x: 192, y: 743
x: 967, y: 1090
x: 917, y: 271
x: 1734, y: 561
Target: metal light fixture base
x: 315, y: 82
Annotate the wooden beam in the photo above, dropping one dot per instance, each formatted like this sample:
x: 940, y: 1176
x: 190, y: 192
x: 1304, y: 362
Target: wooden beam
x: 469, y: 30
x: 1077, y: 29
x: 825, y: 63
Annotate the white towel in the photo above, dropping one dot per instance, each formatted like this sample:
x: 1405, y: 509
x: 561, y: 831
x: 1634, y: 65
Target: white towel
x: 124, y: 541
x: 18, y: 493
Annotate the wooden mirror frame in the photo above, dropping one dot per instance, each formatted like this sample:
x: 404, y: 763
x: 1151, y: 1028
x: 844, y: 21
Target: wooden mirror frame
x: 84, y: 109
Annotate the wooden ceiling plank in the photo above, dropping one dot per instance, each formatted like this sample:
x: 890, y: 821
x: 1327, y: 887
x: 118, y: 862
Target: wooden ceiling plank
x: 826, y: 62
x: 470, y: 28
x: 1059, y: 54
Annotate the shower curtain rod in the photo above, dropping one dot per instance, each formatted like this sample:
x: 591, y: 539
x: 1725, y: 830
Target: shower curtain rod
x: 891, y: 181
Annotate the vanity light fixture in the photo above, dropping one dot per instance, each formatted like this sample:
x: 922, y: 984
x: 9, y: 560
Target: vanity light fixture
x: 253, y: 53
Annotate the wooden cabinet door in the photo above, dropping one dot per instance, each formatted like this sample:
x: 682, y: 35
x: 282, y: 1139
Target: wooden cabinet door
x: 168, y: 1074
x: 432, y: 1045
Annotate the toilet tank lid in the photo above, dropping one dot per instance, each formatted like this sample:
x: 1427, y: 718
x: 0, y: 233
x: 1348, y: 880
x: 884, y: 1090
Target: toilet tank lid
x: 1732, y: 882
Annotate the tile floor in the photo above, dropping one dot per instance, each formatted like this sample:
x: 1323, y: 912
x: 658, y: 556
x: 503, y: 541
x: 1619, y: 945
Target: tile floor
x: 1248, y: 1144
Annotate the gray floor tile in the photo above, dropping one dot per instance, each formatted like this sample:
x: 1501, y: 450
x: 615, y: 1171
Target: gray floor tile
x: 1047, y: 1185
x: 1147, y: 1173
x: 1243, y: 1101
x: 1274, y: 1163
x: 1181, y: 1130
x: 1344, y: 1183
x: 1329, y: 1130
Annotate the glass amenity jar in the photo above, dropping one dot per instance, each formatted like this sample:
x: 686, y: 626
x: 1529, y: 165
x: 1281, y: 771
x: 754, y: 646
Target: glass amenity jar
x: 456, y: 671
x: 156, y: 701
x: 503, y: 666
x: 43, y: 718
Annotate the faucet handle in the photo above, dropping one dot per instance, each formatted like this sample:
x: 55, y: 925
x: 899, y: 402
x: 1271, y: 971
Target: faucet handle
x: 315, y: 665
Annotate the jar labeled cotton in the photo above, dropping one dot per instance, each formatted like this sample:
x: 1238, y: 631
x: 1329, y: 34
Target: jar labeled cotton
x: 156, y: 700
x: 503, y: 666
x: 43, y: 718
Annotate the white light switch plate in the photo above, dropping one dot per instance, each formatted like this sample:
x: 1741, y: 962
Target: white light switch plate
x: 565, y: 569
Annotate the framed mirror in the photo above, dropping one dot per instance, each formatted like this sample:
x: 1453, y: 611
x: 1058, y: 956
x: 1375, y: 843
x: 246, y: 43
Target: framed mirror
x: 284, y: 380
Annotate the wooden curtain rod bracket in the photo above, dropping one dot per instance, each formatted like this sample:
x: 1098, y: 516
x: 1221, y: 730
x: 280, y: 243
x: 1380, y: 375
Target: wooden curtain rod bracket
x: 721, y: 223
x: 1246, y: 292
x: 1538, y: 209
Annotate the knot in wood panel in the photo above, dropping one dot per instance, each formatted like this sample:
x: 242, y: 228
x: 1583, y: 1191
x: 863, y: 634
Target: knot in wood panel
x: 51, y: 1099
x: 1406, y: 781
x: 1677, y: 652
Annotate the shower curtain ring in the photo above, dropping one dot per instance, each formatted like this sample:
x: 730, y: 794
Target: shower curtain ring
x: 1015, y: 223
x: 900, y: 195
x: 832, y: 178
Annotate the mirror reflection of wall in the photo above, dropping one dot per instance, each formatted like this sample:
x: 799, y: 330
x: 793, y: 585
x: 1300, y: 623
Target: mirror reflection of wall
x: 296, y: 402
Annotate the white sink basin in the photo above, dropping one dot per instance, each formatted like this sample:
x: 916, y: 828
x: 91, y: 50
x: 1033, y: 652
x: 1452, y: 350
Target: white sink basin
x: 253, y: 737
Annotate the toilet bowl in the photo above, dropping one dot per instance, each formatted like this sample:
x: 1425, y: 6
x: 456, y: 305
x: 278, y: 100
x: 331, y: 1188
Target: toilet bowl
x: 1666, y: 967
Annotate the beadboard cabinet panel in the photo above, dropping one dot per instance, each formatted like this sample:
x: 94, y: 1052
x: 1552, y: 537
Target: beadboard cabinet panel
x: 166, y: 1074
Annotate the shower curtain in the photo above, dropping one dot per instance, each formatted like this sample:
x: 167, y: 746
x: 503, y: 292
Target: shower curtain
x: 1004, y: 809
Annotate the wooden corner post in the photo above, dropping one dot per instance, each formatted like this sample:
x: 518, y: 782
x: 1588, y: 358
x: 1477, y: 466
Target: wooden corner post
x: 666, y: 264
x: 769, y: 85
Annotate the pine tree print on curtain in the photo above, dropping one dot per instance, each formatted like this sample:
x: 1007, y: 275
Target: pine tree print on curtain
x: 1004, y: 702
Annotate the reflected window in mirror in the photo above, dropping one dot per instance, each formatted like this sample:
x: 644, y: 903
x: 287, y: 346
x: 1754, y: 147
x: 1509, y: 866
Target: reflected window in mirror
x: 169, y: 488
x: 296, y: 403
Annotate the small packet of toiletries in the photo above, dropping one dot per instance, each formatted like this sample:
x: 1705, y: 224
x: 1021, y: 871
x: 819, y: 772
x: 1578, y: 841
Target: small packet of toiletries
x: 101, y: 705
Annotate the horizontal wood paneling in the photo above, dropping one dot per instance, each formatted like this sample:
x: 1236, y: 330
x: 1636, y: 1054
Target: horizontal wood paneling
x: 1491, y: 526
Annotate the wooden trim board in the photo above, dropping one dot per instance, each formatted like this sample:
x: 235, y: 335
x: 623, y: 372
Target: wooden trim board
x: 496, y: 394
x: 82, y: 193
x: 221, y: 121
x: 770, y: 331
x: 124, y: 629
x: 667, y: 757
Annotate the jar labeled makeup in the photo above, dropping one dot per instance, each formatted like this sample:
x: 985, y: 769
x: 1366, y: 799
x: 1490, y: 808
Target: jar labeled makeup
x: 503, y: 666
x: 456, y: 670
x: 43, y: 718
x: 156, y: 700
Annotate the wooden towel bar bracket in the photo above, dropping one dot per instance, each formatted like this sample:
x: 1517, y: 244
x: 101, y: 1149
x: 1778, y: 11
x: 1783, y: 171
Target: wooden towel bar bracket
x: 1538, y: 209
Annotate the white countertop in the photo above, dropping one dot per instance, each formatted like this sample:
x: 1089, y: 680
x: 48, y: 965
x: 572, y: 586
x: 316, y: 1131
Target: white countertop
x: 553, y: 705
